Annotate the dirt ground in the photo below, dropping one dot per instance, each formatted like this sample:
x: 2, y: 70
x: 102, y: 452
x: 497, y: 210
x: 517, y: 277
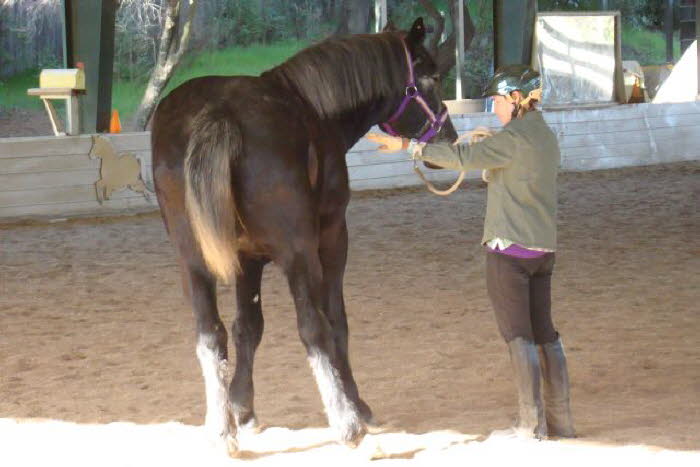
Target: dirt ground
x: 94, y: 329
x: 33, y: 122
x: 24, y: 122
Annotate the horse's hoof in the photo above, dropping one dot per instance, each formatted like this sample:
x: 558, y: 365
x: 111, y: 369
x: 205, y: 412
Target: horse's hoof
x: 231, y: 445
x: 353, y: 443
x: 375, y: 427
x: 223, y: 439
x: 366, y: 414
x: 252, y: 426
x: 225, y: 444
x: 368, y: 419
x: 354, y: 435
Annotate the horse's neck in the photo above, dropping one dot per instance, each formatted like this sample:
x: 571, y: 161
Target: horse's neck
x: 354, y: 125
x: 107, y: 154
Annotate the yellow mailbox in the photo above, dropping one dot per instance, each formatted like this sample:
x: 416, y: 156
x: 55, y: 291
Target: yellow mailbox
x: 64, y: 84
x: 73, y: 78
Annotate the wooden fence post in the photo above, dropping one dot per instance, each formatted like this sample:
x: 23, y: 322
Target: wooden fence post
x: 89, y: 38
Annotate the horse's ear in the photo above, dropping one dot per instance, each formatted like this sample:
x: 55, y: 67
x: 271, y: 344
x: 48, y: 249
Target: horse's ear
x: 390, y: 27
x: 417, y: 32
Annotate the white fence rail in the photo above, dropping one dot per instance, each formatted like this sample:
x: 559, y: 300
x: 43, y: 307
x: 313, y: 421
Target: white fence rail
x: 54, y: 177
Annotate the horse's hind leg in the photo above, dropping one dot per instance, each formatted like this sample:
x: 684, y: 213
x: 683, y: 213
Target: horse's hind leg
x: 333, y: 253
x: 304, y: 274
x: 200, y: 287
x: 247, y: 331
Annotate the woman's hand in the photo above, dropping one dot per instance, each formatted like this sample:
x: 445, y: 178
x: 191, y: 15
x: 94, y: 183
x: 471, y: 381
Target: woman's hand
x: 388, y: 143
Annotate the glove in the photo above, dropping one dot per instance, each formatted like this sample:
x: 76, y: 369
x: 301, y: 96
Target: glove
x: 388, y: 143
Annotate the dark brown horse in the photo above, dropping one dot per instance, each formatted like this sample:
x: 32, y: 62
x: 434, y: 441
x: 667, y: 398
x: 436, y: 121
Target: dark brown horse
x: 250, y: 170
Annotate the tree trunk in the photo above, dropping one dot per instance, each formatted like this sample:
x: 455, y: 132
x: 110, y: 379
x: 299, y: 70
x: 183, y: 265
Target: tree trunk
x: 173, y: 42
x: 359, y: 16
x: 439, y: 26
x: 354, y: 17
x: 446, y: 51
x: 263, y: 20
x: 327, y: 10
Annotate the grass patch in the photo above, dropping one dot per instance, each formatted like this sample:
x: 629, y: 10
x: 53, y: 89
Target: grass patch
x: 13, y: 91
x: 235, y: 61
x: 126, y: 94
x: 645, y: 46
x: 252, y: 61
x: 648, y: 47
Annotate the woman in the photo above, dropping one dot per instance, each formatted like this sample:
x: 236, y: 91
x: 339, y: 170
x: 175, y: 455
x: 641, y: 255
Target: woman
x: 520, y: 163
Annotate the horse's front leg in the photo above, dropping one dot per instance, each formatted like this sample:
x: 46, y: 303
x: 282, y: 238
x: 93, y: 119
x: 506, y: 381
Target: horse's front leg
x: 333, y: 252
x: 212, y: 353
x: 247, y: 332
x: 304, y: 274
x: 100, y: 190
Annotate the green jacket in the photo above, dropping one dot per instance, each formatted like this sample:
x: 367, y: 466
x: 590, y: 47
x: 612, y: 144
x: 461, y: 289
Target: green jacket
x: 523, y: 160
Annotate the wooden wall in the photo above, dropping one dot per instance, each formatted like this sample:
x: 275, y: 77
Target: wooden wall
x: 55, y: 177
x: 627, y: 135
x: 49, y: 177
x: 590, y: 139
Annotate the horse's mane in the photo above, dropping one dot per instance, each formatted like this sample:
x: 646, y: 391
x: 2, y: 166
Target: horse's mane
x: 339, y: 74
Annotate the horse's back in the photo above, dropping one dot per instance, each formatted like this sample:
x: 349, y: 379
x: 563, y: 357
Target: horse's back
x: 267, y: 160
x: 264, y: 112
x: 175, y: 114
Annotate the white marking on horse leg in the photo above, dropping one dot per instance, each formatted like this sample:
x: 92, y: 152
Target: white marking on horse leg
x: 256, y: 299
x: 342, y: 414
x: 218, y: 421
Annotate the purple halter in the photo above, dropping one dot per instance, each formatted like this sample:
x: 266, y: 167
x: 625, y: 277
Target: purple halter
x: 412, y: 93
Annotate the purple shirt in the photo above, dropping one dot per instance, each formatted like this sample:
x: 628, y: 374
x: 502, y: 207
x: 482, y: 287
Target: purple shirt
x: 519, y: 252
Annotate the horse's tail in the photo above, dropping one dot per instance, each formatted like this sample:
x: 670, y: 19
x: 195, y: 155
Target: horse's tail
x: 215, y: 144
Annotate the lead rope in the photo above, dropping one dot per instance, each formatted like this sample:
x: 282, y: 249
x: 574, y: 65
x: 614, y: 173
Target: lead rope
x: 475, y: 136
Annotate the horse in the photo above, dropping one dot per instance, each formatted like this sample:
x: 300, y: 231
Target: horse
x: 251, y: 170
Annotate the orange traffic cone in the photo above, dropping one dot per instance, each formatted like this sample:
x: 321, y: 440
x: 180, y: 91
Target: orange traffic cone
x: 115, y: 126
x: 636, y: 96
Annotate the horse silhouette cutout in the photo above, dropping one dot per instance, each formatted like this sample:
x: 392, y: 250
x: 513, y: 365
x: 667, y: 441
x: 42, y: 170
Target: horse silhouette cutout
x: 116, y: 172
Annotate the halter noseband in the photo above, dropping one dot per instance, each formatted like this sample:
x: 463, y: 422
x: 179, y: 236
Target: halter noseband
x: 412, y: 93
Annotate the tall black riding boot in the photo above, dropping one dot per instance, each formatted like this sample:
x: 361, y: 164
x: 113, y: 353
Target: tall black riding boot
x: 556, y: 390
x: 526, y: 371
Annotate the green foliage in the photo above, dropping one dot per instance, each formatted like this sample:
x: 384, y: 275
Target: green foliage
x: 403, y: 12
x: 642, y: 24
x: 127, y: 94
x: 126, y: 97
x: 13, y: 91
x: 230, y: 36
x: 30, y: 36
x: 219, y: 24
x: 235, y: 61
x: 647, y: 47
x: 240, y: 23
x: 639, y: 13
x: 243, y: 22
x: 478, y: 57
